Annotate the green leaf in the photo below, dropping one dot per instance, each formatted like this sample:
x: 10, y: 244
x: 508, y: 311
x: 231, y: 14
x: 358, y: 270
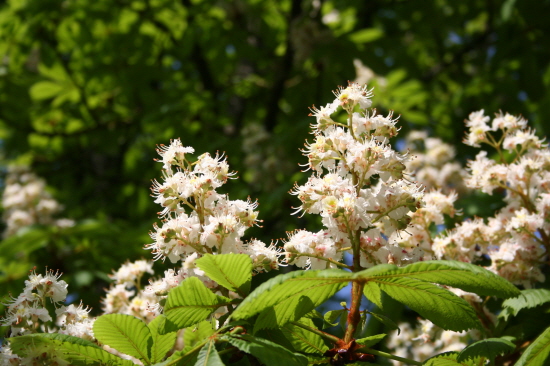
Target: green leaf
x: 208, y: 356
x: 528, y: 299
x: 447, y: 359
x: 372, y: 293
x: 162, y: 343
x: 390, y: 324
x: 190, y: 303
x: 537, y: 353
x: 269, y: 353
x: 125, y: 333
x: 377, y: 270
x: 331, y: 316
x: 45, y: 89
x: 197, y: 333
x: 465, y: 276
x: 314, y: 314
x: 488, y: 348
x: 76, y: 350
x: 290, y: 296
x: 507, y: 9
x: 303, y: 340
x: 186, y: 356
x: 371, y: 340
x: 366, y: 35
x: 434, y: 303
x: 232, y: 271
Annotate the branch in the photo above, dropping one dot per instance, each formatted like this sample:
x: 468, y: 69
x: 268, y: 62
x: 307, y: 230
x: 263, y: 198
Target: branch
x: 283, y: 71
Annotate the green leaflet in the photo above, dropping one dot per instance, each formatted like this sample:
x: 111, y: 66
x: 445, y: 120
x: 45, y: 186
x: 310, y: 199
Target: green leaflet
x: 190, y: 303
x: 232, y: 271
x: 162, y: 343
x: 448, y: 359
x: 208, y: 356
x: 45, y: 90
x: 290, y: 296
x: 372, y: 292
x: 371, y: 340
x: 197, y: 333
x: 528, y: 299
x: 366, y: 35
x: 331, y: 316
x: 390, y: 324
x: 465, y: 276
x: 488, y: 348
x: 76, y: 350
x: 537, y: 353
x: 440, y: 306
x: 125, y: 333
x: 269, y: 353
x: 184, y: 357
x: 303, y: 340
x: 380, y: 269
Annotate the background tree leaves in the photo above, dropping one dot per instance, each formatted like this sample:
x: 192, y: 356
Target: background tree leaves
x: 88, y: 88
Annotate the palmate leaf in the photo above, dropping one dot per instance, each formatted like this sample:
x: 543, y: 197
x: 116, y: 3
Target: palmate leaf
x: 434, y: 303
x: 208, y: 356
x: 75, y: 350
x: 190, y: 303
x: 232, y: 271
x: 269, y: 353
x: 303, y: 340
x: 528, y: 299
x: 290, y: 296
x: 537, y: 354
x: 488, y: 348
x: 162, y: 343
x: 465, y: 276
x: 125, y: 333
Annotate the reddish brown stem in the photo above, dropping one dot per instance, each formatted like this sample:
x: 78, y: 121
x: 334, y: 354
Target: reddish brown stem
x: 354, y: 315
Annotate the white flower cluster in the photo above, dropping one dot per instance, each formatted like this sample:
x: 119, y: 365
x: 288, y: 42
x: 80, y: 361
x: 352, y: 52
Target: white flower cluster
x: 358, y: 187
x: 126, y: 295
x: 427, y: 340
x: 434, y: 164
x: 26, y: 202
x: 417, y: 238
x: 517, y: 238
x: 28, y: 313
x: 199, y: 220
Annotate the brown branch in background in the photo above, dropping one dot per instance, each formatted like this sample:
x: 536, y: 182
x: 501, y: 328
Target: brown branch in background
x: 283, y: 71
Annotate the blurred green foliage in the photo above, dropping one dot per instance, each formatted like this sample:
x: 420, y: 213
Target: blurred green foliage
x: 87, y: 88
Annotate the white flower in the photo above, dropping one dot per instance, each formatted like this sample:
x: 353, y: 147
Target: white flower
x: 263, y: 257
x: 323, y: 115
x: 174, y: 154
x: 478, y: 128
x: 508, y: 122
x: 301, y: 243
x: 130, y: 272
x: 352, y: 95
x: 525, y: 138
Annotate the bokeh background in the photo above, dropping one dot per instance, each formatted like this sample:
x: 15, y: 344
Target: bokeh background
x: 89, y: 87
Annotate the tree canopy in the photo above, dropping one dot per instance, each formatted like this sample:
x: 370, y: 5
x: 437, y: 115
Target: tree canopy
x: 88, y: 88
